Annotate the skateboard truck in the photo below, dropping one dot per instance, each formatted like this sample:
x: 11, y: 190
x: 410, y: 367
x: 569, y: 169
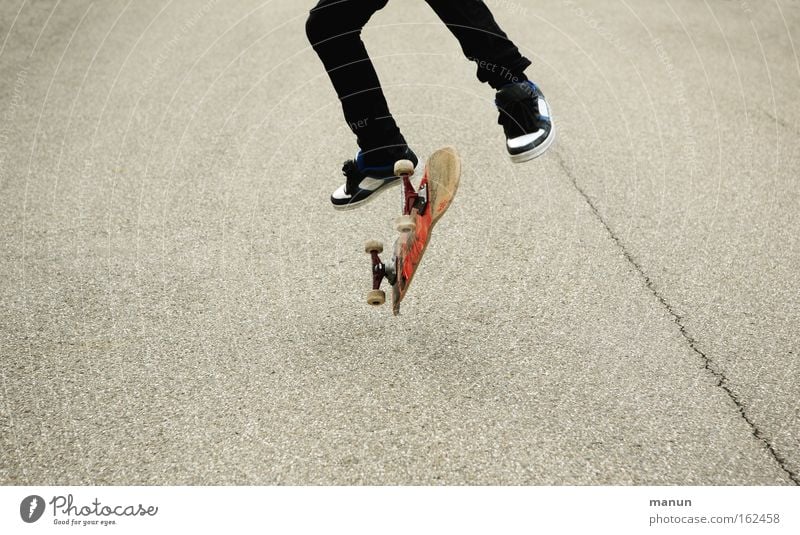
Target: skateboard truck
x: 412, y: 199
x: 380, y: 271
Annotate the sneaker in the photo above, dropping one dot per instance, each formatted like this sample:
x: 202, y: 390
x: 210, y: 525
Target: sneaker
x: 525, y: 117
x: 364, y: 181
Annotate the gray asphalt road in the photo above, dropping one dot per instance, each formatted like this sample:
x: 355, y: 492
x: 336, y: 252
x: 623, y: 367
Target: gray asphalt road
x: 180, y: 305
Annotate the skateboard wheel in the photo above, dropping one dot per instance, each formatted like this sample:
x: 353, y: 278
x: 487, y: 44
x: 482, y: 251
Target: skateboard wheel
x: 403, y: 167
x: 376, y: 297
x: 373, y: 245
x: 405, y: 223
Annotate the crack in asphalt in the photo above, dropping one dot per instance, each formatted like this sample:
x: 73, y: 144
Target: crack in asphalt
x: 708, y: 363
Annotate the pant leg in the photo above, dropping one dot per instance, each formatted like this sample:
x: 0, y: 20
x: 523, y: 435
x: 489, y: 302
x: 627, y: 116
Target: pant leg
x: 498, y: 59
x: 334, y: 30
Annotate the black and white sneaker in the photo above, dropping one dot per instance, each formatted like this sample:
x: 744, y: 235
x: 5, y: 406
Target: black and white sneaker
x: 364, y: 180
x: 525, y: 117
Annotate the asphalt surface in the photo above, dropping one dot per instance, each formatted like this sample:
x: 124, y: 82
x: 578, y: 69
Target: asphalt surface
x: 179, y: 304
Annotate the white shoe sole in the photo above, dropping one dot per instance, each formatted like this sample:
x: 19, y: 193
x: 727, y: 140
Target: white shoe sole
x: 354, y: 205
x: 536, y: 151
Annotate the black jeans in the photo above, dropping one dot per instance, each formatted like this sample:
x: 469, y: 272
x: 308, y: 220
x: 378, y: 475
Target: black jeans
x: 334, y: 30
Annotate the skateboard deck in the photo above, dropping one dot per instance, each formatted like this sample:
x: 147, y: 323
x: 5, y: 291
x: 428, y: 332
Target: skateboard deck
x: 423, y: 207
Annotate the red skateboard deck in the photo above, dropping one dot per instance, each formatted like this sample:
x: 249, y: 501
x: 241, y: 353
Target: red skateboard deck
x: 422, y: 209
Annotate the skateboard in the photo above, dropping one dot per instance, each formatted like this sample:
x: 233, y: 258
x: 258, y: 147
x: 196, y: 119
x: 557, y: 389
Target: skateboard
x: 422, y: 209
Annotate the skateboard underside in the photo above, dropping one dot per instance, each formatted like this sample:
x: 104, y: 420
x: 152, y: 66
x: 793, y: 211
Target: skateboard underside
x: 422, y: 208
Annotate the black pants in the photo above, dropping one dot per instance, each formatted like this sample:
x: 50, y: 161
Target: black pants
x: 334, y: 30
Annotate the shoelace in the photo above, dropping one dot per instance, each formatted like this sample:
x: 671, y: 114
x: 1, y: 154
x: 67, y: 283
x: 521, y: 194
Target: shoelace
x: 352, y: 175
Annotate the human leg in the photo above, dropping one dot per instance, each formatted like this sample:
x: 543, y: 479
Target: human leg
x: 524, y: 113
x: 334, y: 30
x: 499, y: 61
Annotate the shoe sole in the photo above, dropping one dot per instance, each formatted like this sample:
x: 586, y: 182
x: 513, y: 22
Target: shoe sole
x: 353, y: 205
x: 536, y: 151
